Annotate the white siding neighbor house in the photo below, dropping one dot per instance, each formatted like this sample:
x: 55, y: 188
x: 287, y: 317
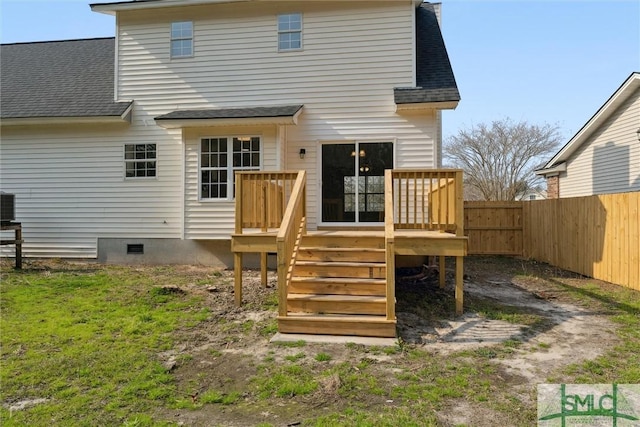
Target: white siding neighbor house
x: 604, y: 156
x: 124, y: 149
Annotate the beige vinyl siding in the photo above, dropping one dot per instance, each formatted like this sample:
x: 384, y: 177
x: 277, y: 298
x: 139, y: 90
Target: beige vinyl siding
x: 414, y: 137
x: 70, y: 187
x: 609, y: 161
x: 354, y: 54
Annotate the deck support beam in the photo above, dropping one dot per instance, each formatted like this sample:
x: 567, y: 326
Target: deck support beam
x: 459, y: 284
x: 263, y: 269
x: 441, y: 270
x: 237, y: 274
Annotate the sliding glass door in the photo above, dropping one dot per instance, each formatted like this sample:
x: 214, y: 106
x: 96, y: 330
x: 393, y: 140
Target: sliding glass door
x: 353, y: 181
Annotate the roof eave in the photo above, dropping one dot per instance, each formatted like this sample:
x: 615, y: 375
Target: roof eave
x: 123, y: 118
x: 553, y: 171
x: 235, y: 121
x: 113, y: 7
x: 437, y: 105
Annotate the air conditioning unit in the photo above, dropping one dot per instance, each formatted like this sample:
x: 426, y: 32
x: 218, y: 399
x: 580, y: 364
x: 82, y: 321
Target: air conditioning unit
x: 7, y: 207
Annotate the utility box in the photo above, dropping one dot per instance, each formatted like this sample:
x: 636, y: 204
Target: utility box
x: 7, y: 207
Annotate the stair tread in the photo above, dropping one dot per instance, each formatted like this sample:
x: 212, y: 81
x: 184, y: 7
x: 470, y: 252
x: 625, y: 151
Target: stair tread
x: 337, y: 298
x: 349, y: 280
x: 345, y: 249
x: 340, y: 263
x: 337, y: 317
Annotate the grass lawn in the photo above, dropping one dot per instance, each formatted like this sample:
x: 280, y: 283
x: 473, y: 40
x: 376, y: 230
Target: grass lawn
x: 87, y: 344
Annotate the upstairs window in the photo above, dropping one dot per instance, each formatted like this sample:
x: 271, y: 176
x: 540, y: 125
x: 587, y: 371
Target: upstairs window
x: 290, y: 32
x: 181, y: 39
x: 140, y: 160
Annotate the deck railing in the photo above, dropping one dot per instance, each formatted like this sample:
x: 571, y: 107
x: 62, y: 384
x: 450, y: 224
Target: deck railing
x: 292, y: 228
x: 429, y: 199
x: 263, y: 198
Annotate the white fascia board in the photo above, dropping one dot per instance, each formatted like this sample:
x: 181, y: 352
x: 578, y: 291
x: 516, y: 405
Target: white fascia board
x: 30, y: 121
x: 249, y: 121
x: 619, y: 96
x: 112, y: 8
x: 444, y: 105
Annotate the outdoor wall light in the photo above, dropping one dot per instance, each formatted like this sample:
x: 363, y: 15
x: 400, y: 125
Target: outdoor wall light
x: 638, y: 134
x: 303, y: 153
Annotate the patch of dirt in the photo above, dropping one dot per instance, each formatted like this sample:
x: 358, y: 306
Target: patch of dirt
x: 462, y: 412
x: 570, y: 333
x: 225, y: 352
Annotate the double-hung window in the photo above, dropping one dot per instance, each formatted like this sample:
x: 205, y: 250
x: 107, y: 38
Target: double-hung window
x: 289, y: 31
x: 220, y: 158
x: 140, y: 160
x: 181, y: 39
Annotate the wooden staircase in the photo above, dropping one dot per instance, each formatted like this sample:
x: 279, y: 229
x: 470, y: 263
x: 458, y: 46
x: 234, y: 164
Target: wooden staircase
x: 338, y: 287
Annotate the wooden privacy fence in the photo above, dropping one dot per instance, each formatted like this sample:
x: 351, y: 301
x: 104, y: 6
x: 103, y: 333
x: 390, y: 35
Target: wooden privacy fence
x: 494, y: 228
x: 597, y: 236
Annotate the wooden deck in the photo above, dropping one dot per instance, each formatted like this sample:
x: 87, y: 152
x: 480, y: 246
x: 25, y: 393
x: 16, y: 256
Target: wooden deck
x: 342, y: 281
x: 407, y: 242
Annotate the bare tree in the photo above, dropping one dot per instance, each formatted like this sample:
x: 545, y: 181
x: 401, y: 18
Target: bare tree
x: 499, y: 159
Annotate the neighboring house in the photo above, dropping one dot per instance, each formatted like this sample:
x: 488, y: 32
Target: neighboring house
x: 533, y: 194
x: 604, y: 156
x: 124, y: 149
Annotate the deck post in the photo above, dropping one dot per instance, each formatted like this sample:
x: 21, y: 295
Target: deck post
x: 263, y: 268
x: 238, y: 207
x: 237, y: 273
x: 282, y: 278
x: 390, y: 246
x: 459, y: 284
x: 459, y: 205
x: 442, y: 271
x: 391, y: 279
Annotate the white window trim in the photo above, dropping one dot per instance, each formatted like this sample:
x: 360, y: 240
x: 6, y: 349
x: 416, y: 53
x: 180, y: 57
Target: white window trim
x: 171, y: 40
x: 230, y: 168
x: 125, y: 161
x: 301, y: 31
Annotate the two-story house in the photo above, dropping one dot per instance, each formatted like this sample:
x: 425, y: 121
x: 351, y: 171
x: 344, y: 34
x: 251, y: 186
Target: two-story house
x: 126, y: 149
x: 135, y: 140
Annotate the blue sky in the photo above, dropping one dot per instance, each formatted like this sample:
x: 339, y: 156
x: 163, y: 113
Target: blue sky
x: 542, y: 61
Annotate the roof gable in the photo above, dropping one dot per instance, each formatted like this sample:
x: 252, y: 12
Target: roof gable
x: 630, y: 85
x: 72, y: 78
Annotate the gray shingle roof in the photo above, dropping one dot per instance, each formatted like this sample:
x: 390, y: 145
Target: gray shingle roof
x: 72, y: 78
x: 435, y: 79
x: 232, y: 113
